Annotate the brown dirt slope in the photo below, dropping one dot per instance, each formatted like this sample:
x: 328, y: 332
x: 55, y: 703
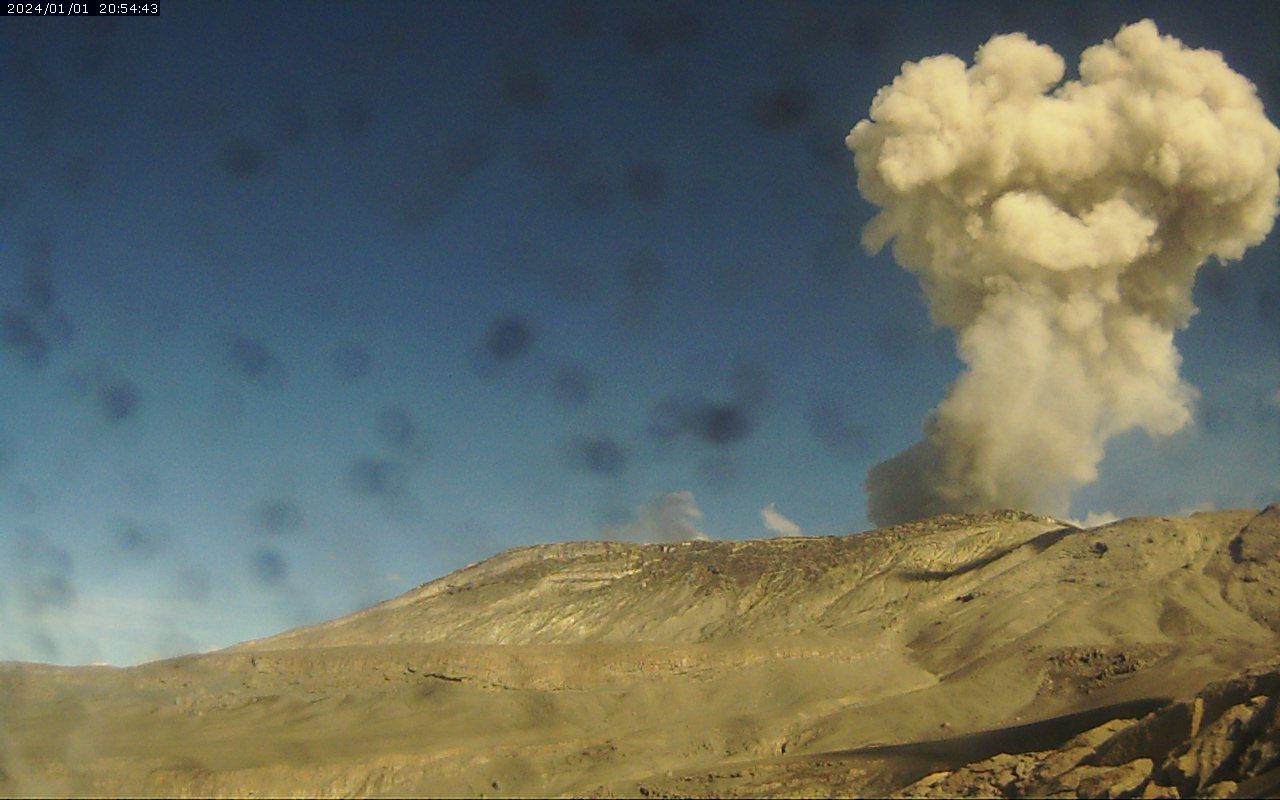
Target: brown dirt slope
x: 861, y: 664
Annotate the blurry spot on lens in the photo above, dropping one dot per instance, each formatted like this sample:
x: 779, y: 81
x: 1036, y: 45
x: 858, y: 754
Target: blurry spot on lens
x: 570, y: 172
x: 278, y: 515
x: 240, y: 158
x: 44, y: 645
x: 560, y: 272
x: 571, y: 386
x: 669, y: 418
x: 193, y: 584
x: 19, y: 333
x: 375, y: 477
x: 832, y: 426
x: 254, y: 361
x: 396, y: 427
x: 251, y: 357
x: 1217, y: 417
x: 268, y: 566
x: 37, y: 284
x: 508, y: 338
x: 1217, y: 283
x: 896, y: 339
x: 137, y: 540
x: 783, y: 108
x: 23, y: 498
x: 118, y: 400
x: 600, y: 455
x: 722, y: 423
x: 44, y: 571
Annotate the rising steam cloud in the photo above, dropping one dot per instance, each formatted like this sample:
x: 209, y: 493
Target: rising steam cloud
x: 1057, y: 228
x: 671, y: 517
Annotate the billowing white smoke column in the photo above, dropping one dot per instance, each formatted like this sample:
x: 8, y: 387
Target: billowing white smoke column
x: 1058, y: 231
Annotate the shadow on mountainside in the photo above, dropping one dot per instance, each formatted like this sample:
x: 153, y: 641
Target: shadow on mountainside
x: 1038, y: 543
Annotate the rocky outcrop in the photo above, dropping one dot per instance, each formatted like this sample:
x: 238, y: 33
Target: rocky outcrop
x: 1223, y: 742
x: 1252, y: 572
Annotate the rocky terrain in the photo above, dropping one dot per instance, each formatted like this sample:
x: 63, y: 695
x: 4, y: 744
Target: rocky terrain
x: 998, y: 654
x: 1224, y: 742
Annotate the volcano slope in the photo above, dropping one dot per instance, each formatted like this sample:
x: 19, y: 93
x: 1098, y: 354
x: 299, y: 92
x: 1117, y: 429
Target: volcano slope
x: 955, y: 654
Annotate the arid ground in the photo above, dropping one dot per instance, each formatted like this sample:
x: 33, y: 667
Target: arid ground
x: 991, y: 654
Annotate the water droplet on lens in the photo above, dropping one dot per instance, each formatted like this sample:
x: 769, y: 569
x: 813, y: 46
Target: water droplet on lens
x: 509, y: 338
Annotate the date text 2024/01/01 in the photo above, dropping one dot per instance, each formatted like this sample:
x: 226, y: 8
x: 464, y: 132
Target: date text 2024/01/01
x: 91, y: 8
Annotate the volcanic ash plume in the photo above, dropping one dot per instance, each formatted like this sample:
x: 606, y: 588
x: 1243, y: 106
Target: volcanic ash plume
x: 1057, y: 228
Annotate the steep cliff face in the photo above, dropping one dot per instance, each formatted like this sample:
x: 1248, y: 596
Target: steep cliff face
x: 861, y: 664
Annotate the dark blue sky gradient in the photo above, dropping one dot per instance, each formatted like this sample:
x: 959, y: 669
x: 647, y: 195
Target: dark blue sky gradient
x: 305, y: 303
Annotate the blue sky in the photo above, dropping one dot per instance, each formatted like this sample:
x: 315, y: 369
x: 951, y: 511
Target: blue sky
x: 303, y: 304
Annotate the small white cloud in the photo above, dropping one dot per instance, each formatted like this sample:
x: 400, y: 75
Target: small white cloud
x: 667, y: 518
x: 777, y: 523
